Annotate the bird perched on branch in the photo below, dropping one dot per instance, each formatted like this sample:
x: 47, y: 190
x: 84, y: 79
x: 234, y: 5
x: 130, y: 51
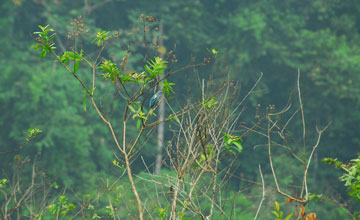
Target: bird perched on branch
x: 155, y: 99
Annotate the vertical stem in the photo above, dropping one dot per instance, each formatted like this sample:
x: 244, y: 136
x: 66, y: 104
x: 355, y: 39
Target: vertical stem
x: 270, y: 159
x: 160, y: 135
x: 174, y: 200
x: 128, y: 169
x: 263, y: 193
x: 160, y: 138
x: 304, y: 184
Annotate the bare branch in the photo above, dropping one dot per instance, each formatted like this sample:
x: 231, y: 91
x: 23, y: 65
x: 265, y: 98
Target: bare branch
x: 263, y: 193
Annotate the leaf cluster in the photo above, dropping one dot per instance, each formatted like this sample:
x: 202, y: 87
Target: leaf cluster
x: 61, y: 206
x: 351, y: 175
x: 45, y: 41
x: 280, y: 214
x: 233, y: 143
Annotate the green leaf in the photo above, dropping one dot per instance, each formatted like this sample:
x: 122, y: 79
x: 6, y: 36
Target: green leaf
x: 43, y: 54
x: 275, y: 213
x: 167, y: 87
x: 210, y: 103
x: 100, y: 37
x: 33, y: 131
x: 52, y: 208
x: 238, y: 146
x: 174, y: 117
x: 138, y: 123
x: 132, y: 108
x: 43, y: 28
x: 3, y: 182
x: 76, y: 66
x: 214, y: 51
x: 177, y: 119
x: 314, y: 196
x: 289, y: 216
x: 232, y: 143
x: 55, y: 185
x: 155, y: 67
x: 109, y: 70
x: 277, y: 206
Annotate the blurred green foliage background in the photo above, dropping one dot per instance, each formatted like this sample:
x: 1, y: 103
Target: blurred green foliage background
x: 318, y: 37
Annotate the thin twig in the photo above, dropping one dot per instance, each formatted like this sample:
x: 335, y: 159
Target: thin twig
x: 263, y: 193
x: 311, y: 155
x: 270, y: 159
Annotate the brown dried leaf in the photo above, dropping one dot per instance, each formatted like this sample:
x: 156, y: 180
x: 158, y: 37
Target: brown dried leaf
x: 311, y: 216
x: 303, y: 211
x: 288, y: 200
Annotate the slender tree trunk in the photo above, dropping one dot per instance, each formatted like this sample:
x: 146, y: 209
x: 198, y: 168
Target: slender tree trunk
x: 133, y: 187
x: 160, y: 135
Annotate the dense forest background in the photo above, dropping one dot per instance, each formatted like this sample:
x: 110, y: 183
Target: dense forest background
x: 75, y: 151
